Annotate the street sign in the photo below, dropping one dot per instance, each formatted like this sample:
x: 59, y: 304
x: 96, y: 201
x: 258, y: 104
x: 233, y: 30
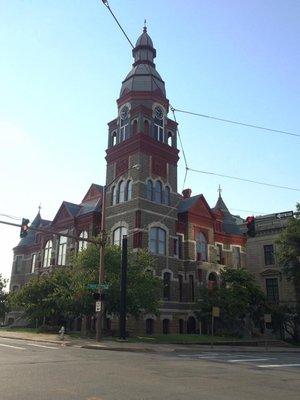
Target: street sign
x: 98, y: 306
x: 98, y: 285
x: 268, y: 318
x: 285, y: 214
x: 216, y: 312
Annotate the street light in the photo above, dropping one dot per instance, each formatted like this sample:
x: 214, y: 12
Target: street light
x: 102, y: 241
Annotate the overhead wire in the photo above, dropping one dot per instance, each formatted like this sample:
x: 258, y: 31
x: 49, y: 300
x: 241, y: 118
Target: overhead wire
x: 10, y: 217
x: 173, y: 109
x: 238, y: 123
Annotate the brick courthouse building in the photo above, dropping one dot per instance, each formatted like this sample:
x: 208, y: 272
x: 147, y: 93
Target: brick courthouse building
x: 190, y: 241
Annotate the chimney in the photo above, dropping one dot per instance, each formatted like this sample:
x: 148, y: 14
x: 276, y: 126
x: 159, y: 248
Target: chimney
x: 186, y: 193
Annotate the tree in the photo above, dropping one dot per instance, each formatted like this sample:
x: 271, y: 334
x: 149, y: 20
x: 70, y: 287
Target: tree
x: 3, y: 298
x: 64, y: 294
x: 240, y: 299
x: 288, y: 251
x: 143, y: 289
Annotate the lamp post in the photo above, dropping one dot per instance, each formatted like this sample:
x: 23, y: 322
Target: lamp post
x: 99, y: 314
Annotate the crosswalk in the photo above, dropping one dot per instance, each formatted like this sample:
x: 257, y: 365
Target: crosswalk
x: 14, y: 344
x: 273, y: 361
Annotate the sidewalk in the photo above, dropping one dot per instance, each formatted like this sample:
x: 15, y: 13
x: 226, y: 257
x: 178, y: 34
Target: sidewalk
x: 142, y: 347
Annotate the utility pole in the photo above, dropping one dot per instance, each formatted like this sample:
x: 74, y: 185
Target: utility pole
x: 123, y: 289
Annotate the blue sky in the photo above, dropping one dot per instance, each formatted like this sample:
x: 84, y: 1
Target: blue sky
x: 62, y: 64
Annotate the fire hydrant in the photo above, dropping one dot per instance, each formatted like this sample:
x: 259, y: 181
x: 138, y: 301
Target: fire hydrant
x: 62, y: 333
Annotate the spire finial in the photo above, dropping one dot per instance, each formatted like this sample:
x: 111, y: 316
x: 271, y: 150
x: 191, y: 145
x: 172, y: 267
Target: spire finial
x: 40, y: 207
x: 219, y: 190
x: 145, y: 26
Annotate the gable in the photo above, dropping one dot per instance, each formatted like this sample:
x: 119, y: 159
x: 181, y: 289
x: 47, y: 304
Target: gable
x: 62, y: 214
x: 201, y: 208
x: 95, y: 191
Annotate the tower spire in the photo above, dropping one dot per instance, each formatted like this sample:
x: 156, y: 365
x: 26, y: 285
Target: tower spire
x: 220, y: 190
x: 145, y: 26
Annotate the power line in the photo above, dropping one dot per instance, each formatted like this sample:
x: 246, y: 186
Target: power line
x: 238, y: 123
x: 10, y: 216
x: 244, y: 179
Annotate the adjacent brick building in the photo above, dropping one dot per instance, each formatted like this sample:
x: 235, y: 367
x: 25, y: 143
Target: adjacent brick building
x: 190, y: 241
x: 262, y: 261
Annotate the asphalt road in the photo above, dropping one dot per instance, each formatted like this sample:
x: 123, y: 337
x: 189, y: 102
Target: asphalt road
x: 41, y: 371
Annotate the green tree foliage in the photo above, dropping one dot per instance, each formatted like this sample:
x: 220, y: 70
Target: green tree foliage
x: 3, y: 298
x: 241, y: 302
x: 288, y: 251
x: 64, y: 294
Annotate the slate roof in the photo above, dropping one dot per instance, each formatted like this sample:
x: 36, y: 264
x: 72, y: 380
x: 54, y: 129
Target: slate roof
x: 90, y: 206
x: 143, y: 76
x: 230, y: 222
x: 186, y: 204
x: 72, y: 208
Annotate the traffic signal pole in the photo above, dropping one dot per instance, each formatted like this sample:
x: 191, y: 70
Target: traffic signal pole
x: 123, y: 289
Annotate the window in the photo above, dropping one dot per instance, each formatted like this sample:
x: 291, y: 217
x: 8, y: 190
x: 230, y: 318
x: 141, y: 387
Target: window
x: 167, y: 286
x: 181, y: 326
x: 272, y: 290
x: 149, y: 326
x: 118, y: 235
x: 170, y: 139
x: 47, y: 254
x: 62, y: 250
x: 167, y: 196
x: 236, y: 257
x: 82, y: 245
x: 113, y: 139
x: 180, y: 284
x: 201, y: 247
x: 18, y: 264
x: 129, y: 190
x: 33, y: 261
x: 121, y: 192
x: 157, y: 243
x: 191, y: 288
x: 269, y: 254
x: 150, y: 190
x: 114, y: 196
x: 124, y: 114
x: 158, y: 192
x: 220, y: 253
x: 166, y: 326
x: 159, y: 124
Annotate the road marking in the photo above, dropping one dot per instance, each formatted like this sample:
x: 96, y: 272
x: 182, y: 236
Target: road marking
x: 13, y: 347
x: 40, y: 345
x: 251, y: 359
x: 278, y: 365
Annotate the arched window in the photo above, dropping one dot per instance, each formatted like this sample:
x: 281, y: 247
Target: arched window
x: 158, y: 192
x: 129, y: 190
x: 62, y: 250
x: 167, y: 196
x: 201, y: 247
x: 47, y: 254
x: 134, y: 127
x: 149, y: 326
x: 146, y: 127
x: 170, y: 139
x: 118, y: 235
x: 166, y: 326
x: 114, y: 196
x: 158, y: 124
x: 82, y: 245
x: 121, y: 192
x: 157, y: 241
x: 150, y: 190
x: 124, y: 117
x: 167, y: 286
x: 113, y: 138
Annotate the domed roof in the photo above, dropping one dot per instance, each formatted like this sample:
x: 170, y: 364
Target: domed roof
x: 144, y: 39
x: 143, y: 76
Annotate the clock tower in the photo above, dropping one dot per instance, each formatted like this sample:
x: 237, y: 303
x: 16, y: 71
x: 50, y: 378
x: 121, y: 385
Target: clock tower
x: 142, y: 156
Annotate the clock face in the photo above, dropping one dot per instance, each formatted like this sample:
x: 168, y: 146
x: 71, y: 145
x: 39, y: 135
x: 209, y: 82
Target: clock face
x: 158, y: 112
x: 124, y: 113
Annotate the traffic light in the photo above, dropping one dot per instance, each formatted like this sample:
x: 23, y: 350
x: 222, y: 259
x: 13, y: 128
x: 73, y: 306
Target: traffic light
x: 24, y: 227
x: 251, y: 226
